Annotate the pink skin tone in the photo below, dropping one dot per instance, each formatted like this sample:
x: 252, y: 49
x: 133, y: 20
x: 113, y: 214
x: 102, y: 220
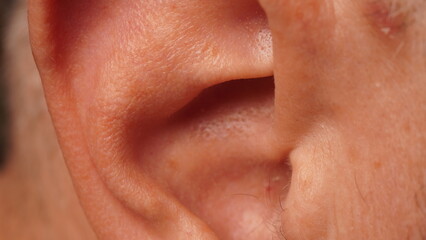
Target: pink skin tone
x: 330, y: 147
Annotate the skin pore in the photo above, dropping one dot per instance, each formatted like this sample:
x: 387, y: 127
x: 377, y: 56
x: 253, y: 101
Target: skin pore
x: 297, y: 119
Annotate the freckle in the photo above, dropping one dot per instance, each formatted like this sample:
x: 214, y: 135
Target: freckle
x: 214, y: 51
x: 377, y: 165
x: 268, y: 188
x: 407, y: 127
x: 173, y: 165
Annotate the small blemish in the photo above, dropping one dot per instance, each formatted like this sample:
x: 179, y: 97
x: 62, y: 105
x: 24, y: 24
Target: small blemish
x: 386, y: 18
x: 377, y: 165
x: 386, y: 30
x: 377, y: 85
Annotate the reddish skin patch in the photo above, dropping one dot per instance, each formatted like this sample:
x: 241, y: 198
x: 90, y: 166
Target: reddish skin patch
x: 268, y: 188
x: 63, y: 17
x: 384, y: 20
x: 377, y: 165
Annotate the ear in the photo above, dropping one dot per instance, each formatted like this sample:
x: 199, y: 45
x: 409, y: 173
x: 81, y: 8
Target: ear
x: 166, y: 114
x: 153, y: 149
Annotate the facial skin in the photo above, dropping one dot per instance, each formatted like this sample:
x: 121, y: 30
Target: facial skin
x: 173, y: 127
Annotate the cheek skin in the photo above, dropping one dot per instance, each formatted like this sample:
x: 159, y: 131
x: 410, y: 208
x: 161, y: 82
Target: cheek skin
x: 354, y: 96
x: 386, y: 18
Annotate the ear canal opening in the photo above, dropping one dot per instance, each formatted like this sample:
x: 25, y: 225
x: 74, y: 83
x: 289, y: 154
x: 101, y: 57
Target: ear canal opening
x: 224, y: 95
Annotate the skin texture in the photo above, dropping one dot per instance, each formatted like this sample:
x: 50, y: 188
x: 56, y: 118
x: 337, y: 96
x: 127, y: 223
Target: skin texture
x: 243, y: 119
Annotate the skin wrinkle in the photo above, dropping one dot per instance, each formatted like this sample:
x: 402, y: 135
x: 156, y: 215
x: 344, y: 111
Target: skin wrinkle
x: 415, y: 18
x: 390, y: 66
x: 397, y: 23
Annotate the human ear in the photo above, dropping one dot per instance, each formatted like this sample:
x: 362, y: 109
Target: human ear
x: 161, y: 143
x: 164, y: 114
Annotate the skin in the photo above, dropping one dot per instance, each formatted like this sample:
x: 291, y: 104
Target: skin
x: 36, y: 194
x: 172, y: 126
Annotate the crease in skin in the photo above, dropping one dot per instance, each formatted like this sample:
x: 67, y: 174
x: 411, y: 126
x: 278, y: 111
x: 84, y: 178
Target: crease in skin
x: 397, y: 19
x: 415, y: 23
x: 388, y: 18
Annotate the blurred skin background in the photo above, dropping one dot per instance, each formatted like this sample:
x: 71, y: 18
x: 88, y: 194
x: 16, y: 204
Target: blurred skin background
x: 4, y: 10
x: 36, y: 196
